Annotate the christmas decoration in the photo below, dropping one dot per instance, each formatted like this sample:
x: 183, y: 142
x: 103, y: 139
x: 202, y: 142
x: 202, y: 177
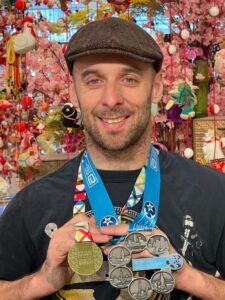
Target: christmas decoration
x: 214, y: 109
x: 188, y: 153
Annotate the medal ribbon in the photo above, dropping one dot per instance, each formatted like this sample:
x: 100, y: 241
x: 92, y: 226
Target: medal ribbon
x: 101, y: 203
x: 147, y: 218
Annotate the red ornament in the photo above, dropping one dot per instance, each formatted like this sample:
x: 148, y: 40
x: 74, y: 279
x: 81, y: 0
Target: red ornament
x: 27, y: 101
x: 20, y: 126
x: 20, y: 5
x: 27, y: 19
x: 2, y: 160
x: 214, y: 109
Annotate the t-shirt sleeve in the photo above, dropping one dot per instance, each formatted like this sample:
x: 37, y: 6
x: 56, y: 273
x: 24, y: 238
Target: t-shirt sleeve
x: 16, y: 249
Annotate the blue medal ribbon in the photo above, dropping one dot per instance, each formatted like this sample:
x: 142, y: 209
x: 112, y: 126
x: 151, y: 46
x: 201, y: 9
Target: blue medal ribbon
x: 174, y: 261
x: 100, y: 201
x: 147, y: 218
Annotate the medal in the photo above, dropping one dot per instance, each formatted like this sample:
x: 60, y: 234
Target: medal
x: 162, y: 282
x: 120, y: 277
x: 85, y: 258
x: 158, y: 245
x: 136, y: 241
x: 140, y: 288
x: 119, y: 256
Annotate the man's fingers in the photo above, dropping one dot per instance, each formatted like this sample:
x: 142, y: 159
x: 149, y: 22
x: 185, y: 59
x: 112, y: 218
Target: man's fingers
x: 115, y: 230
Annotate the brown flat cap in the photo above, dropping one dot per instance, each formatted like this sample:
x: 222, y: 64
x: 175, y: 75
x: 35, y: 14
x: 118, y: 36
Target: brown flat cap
x: 116, y: 36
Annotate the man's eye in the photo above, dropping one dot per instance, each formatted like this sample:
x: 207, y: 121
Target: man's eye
x: 93, y: 81
x: 130, y: 80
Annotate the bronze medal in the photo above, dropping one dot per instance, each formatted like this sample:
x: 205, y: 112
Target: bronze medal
x: 85, y: 258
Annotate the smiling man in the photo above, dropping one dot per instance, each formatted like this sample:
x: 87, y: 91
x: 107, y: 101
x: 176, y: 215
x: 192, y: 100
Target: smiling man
x: 121, y: 190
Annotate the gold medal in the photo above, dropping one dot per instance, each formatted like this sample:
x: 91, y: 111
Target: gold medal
x: 85, y: 258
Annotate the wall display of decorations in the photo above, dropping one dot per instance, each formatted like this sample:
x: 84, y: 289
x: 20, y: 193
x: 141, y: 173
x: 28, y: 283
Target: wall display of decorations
x: 35, y: 87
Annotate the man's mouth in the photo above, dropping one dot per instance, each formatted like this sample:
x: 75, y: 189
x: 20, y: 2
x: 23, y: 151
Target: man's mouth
x: 113, y: 121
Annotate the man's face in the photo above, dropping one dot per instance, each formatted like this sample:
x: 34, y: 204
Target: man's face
x: 114, y: 95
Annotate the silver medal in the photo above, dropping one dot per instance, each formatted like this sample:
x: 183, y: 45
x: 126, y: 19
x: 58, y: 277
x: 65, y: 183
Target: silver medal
x: 140, y: 288
x: 158, y: 244
x: 119, y: 256
x: 136, y: 241
x: 162, y: 282
x: 120, y: 277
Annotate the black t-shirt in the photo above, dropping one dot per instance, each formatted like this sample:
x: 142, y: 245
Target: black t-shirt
x: 191, y: 213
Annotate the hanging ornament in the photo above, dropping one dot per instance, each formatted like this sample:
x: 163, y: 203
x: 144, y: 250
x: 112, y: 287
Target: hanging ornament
x: 44, y: 106
x: 188, y: 153
x: 119, y: 5
x: 214, y: 109
x: 26, y: 40
x: 20, y: 126
x: 172, y: 49
x: 27, y: 102
x: 214, y: 11
x: 19, y: 107
x: 2, y: 160
x: 20, y: 5
x: 184, y: 34
x: 4, y: 104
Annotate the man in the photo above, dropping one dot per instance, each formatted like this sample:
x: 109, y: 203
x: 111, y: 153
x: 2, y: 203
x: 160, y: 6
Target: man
x: 115, y: 67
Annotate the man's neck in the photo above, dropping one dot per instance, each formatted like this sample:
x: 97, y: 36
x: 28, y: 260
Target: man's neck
x: 131, y: 159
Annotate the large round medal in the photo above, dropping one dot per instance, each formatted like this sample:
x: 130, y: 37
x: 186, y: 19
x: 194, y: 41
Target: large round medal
x: 85, y: 258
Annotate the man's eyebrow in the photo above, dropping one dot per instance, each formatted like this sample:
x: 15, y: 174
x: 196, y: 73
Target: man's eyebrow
x: 87, y: 72
x: 135, y: 69
x: 129, y: 69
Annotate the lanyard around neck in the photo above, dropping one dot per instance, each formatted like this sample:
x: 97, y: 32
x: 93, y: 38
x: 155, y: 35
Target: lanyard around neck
x: 100, y: 201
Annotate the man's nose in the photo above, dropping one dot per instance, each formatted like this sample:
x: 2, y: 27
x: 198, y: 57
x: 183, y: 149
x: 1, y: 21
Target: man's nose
x: 112, y: 95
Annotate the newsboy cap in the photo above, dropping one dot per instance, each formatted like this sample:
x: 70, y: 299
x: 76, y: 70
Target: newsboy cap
x: 116, y: 36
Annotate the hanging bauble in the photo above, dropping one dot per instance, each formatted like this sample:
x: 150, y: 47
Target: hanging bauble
x: 50, y: 4
x: 4, y: 104
x: 27, y: 101
x: 24, y: 115
x: 4, y: 124
x: 2, y: 160
x: 20, y: 126
x: 44, y: 106
x: 20, y: 5
x: 214, y: 109
x: 214, y: 11
x: 184, y: 34
x: 19, y: 107
x: 119, y: 5
x: 188, y: 153
x: 172, y: 49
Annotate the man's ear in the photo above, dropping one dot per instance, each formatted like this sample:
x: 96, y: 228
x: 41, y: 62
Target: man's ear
x: 157, y: 88
x: 73, y: 94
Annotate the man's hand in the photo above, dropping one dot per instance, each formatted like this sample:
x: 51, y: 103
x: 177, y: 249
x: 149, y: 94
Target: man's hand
x: 55, y: 268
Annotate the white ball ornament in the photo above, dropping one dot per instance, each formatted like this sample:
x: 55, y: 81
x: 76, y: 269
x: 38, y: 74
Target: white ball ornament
x: 214, y: 109
x: 188, y: 153
x: 184, y: 34
x: 214, y: 11
x: 19, y: 106
x: 172, y: 49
